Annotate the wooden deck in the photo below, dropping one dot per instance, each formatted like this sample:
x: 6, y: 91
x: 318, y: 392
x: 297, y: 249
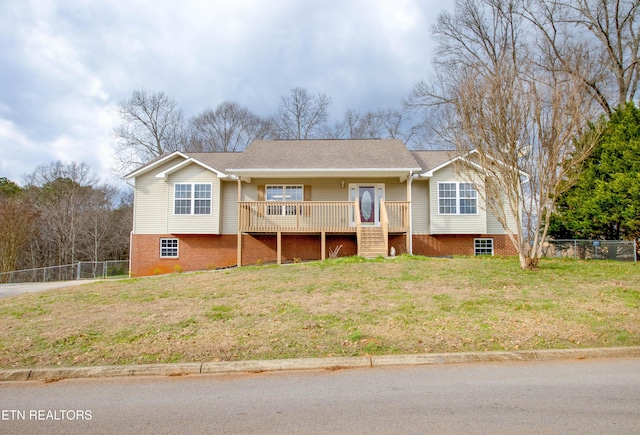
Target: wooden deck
x: 315, y: 216
x: 321, y: 217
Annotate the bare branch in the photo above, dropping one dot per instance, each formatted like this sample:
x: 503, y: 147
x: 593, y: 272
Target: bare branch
x: 152, y: 124
x: 230, y: 128
x: 301, y: 115
x: 520, y: 121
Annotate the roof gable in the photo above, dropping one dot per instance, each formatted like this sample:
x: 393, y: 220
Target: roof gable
x: 154, y: 164
x: 218, y: 161
x: 164, y: 174
x: 432, y: 160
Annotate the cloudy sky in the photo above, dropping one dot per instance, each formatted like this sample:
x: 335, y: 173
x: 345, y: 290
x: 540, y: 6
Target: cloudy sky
x: 65, y: 65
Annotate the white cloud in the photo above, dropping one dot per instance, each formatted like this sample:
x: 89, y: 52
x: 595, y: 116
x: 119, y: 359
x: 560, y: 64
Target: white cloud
x: 18, y: 152
x: 67, y: 63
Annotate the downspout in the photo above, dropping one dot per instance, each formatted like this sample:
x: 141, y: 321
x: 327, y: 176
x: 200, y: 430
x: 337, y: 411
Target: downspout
x: 239, y: 223
x: 133, y: 224
x: 409, y: 196
x: 130, y: 251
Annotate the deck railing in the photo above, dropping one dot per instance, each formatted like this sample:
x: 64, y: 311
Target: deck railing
x: 398, y: 216
x: 312, y: 216
x: 297, y: 216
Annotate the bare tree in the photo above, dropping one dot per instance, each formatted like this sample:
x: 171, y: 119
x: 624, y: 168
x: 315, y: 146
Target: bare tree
x: 152, y: 124
x: 301, y: 115
x: 17, y: 218
x: 380, y: 124
x: 78, y: 219
x: 229, y: 128
x: 523, y: 127
x: 61, y: 194
x: 357, y: 125
x: 596, y: 41
x: 394, y: 124
x: 104, y: 227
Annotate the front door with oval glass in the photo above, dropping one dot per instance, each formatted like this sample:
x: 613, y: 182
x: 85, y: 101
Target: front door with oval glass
x: 367, y: 197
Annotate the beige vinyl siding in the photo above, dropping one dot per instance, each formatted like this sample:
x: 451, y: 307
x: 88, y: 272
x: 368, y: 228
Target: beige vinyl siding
x: 150, y: 204
x: 495, y: 227
x: 194, y: 224
x: 450, y: 223
x: 250, y: 191
x: 420, y: 207
x: 394, y: 190
x: 327, y: 189
x: 229, y: 207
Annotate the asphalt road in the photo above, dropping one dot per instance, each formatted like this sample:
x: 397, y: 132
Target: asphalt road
x: 7, y: 290
x: 564, y: 396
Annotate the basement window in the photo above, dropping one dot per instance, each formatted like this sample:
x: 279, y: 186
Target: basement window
x: 483, y: 246
x: 168, y: 248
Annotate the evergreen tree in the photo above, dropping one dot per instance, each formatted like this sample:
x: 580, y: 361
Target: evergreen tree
x: 605, y: 202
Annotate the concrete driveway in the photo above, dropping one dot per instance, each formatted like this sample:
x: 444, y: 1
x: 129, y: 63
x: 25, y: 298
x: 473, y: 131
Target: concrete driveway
x: 7, y: 290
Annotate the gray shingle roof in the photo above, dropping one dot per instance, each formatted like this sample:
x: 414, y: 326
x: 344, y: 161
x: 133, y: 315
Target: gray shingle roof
x: 432, y: 159
x: 219, y: 161
x: 326, y: 154
x: 274, y: 155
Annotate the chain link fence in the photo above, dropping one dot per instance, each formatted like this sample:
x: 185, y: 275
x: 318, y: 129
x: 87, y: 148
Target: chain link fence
x: 620, y: 250
x: 69, y: 272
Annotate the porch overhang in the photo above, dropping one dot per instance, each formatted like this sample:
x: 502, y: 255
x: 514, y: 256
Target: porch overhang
x: 401, y: 173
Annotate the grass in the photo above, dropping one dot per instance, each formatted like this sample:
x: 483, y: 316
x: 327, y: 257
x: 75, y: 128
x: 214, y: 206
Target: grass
x: 338, y: 307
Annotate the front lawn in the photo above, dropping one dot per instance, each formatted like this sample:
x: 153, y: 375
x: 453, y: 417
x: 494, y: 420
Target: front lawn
x: 339, y: 307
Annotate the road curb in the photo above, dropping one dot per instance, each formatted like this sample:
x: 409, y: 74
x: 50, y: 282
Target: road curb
x: 330, y: 363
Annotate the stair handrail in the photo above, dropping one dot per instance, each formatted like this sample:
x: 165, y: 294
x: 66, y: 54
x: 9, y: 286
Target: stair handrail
x: 384, y: 223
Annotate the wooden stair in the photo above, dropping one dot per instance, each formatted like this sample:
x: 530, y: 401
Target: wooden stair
x: 372, y: 243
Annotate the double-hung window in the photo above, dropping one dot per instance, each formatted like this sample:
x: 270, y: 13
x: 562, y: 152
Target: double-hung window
x: 468, y: 198
x: 457, y: 198
x: 447, y: 198
x: 276, y: 193
x: 192, y: 198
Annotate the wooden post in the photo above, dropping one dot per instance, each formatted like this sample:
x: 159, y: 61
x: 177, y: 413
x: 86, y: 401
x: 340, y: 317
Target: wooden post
x: 279, y: 246
x: 323, y: 245
x: 408, y: 215
x: 239, y: 249
x: 356, y: 217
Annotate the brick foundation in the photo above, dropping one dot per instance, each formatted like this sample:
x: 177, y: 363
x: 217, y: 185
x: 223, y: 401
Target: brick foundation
x: 459, y: 244
x: 201, y: 252
x: 196, y: 252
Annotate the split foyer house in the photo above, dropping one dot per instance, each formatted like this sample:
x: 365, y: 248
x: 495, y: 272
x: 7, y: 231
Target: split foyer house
x: 280, y: 201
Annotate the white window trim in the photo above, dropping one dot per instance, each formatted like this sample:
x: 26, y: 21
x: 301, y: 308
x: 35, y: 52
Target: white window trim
x: 193, y: 199
x: 458, y: 198
x: 483, y: 239
x: 177, y: 248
